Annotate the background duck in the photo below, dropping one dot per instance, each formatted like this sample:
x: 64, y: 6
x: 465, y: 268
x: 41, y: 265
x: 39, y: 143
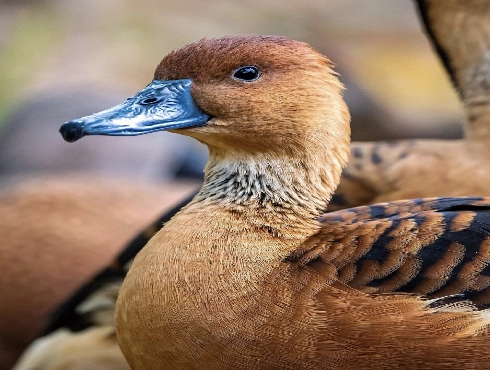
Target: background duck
x: 226, y: 281
x: 81, y: 333
x: 382, y: 171
x: 95, y: 347
x: 57, y: 233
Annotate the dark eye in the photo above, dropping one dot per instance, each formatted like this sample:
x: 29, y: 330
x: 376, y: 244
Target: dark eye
x: 247, y: 73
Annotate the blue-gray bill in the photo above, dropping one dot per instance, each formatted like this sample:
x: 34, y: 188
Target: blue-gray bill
x: 160, y: 106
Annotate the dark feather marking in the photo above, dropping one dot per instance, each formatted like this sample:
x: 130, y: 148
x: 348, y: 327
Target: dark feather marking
x: 66, y: 315
x: 443, y: 301
x: 378, y: 252
x: 482, y: 298
x: 443, y: 55
x: 337, y: 219
x: 375, y: 157
x: 477, y: 103
x: 357, y: 152
x: 377, y: 211
x: 459, y: 204
x: 404, y: 154
x: 339, y: 199
x: 436, y: 250
x: 486, y: 270
x: 428, y: 255
x: 474, y: 235
x: 347, y: 175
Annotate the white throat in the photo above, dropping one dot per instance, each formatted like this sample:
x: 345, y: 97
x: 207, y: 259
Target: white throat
x: 265, y: 181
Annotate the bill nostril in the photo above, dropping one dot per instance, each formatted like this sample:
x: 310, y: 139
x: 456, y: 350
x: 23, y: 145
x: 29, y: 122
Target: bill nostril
x: 72, y: 131
x: 149, y: 101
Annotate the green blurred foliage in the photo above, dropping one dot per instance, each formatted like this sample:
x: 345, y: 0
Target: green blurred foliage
x: 32, y: 38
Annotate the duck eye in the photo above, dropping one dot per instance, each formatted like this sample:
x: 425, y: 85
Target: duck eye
x: 247, y: 73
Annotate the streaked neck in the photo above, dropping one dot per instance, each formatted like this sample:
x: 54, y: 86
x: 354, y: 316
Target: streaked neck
x: 287, y: 190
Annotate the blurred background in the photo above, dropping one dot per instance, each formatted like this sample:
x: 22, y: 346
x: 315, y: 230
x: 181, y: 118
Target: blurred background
x: 63, y: 59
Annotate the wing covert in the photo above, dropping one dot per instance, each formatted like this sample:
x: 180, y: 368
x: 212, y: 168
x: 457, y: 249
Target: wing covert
x: 434, y: 247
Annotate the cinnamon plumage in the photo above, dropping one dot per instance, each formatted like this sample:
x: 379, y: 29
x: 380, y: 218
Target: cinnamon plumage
x: 251, y: 274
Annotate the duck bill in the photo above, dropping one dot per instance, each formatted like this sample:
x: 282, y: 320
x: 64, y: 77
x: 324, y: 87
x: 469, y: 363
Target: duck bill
x: 160, y: 106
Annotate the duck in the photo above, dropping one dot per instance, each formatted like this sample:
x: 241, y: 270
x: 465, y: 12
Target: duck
x: 252, y: 274
x: 459, y: 32
x: 57, y: 232
x: 80, y: 333
x: 93, y: 347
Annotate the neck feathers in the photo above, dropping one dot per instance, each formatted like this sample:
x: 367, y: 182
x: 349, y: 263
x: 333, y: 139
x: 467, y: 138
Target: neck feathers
x: 298, y: 184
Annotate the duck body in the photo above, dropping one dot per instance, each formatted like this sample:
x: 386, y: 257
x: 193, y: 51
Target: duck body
x: 381, y: 171
x: 255, y: 310
x: 390, y: 170
x: 251, y: 274
x: 57, y: 232
x: 225, y: 311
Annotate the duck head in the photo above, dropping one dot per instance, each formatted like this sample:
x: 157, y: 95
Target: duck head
x: 242, y: 96
x: 228, y: 89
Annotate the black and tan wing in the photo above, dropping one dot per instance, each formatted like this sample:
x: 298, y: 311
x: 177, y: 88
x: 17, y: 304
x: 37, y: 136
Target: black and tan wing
x: 437, y: 247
